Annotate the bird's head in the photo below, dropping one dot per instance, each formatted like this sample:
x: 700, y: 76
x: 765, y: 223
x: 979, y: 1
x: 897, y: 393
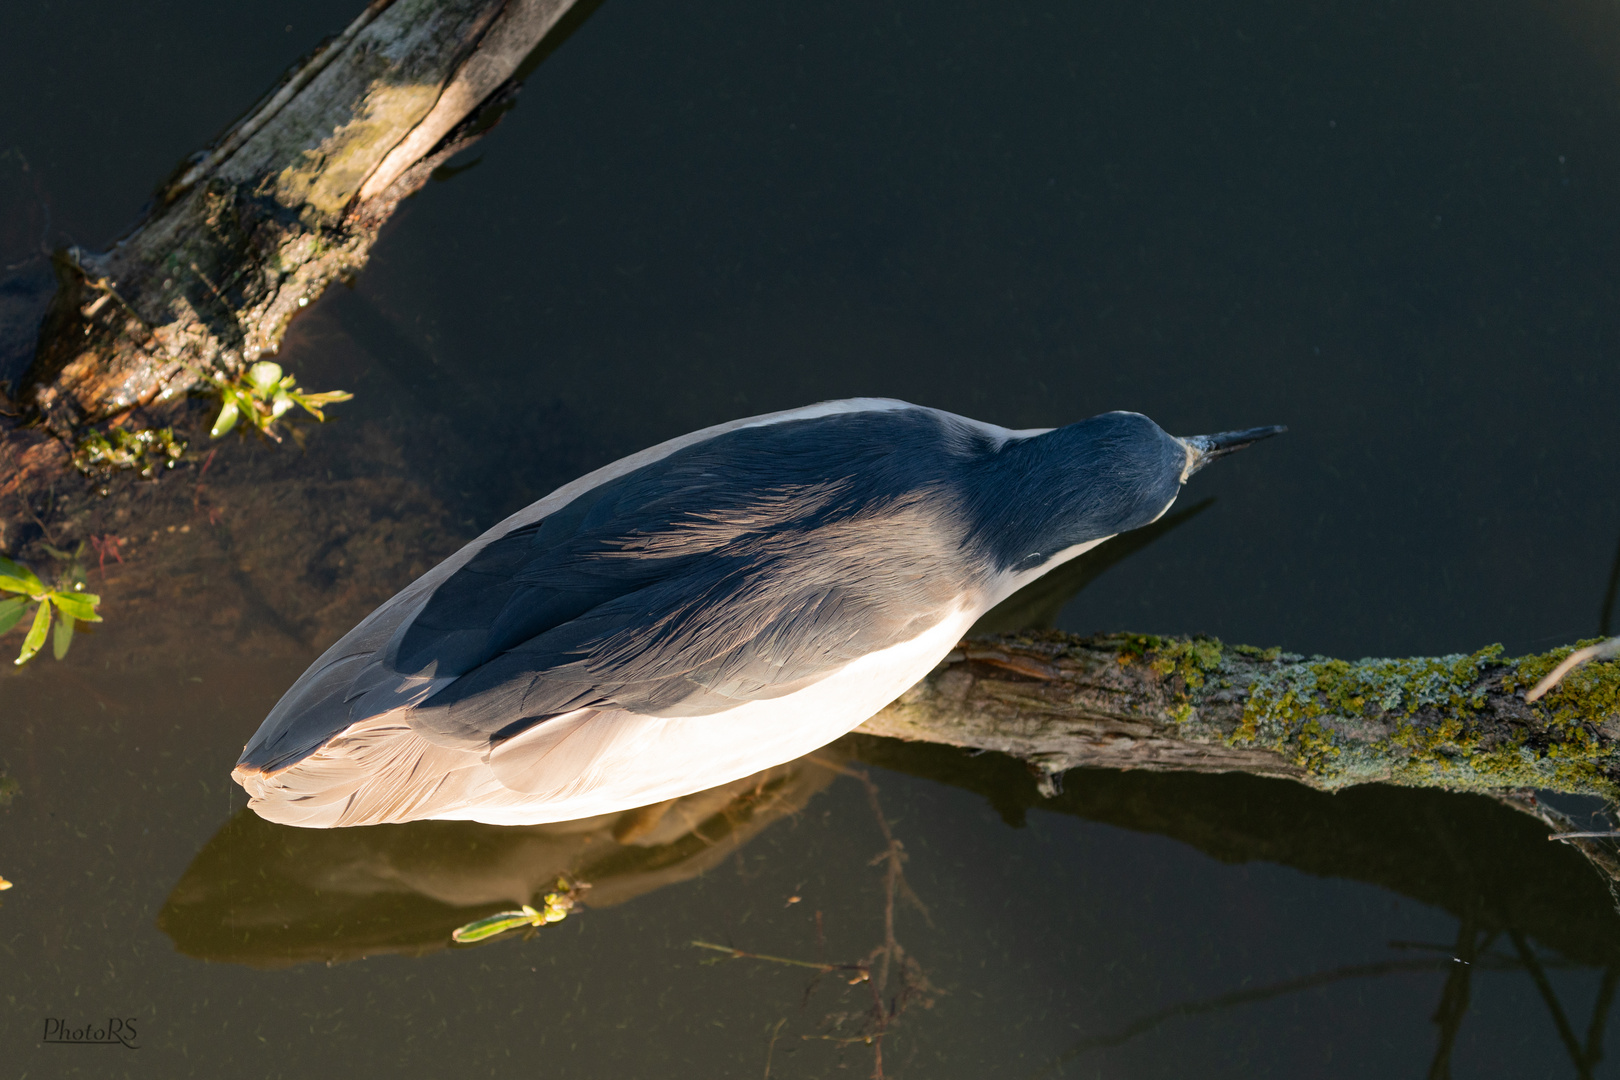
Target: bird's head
x: 1092, y: 479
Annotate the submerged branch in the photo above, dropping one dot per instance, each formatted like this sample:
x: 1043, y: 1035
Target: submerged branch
x: 1129, y: 701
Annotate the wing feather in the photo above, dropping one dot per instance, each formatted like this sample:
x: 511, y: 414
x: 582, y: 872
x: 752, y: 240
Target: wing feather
x: 734, y: 568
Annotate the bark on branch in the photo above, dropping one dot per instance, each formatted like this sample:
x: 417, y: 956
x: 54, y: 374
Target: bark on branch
x: 1131, y: 701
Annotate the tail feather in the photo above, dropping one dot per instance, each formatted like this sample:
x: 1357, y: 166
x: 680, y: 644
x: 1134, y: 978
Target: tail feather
x: 377, y: 771
x: 383, y: 770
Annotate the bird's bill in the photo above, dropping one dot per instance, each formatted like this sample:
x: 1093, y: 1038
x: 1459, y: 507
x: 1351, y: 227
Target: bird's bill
x: 1203, y: 449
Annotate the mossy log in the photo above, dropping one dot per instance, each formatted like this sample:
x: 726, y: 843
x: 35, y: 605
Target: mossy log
x: 1137, y: 701
x: 1131, y: 701
x: 252, y: 230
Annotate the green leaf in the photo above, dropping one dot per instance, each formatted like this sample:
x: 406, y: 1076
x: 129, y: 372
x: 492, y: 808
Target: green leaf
x: 36, y: 633
x: 63, y: 636
x: 499, y: 923
x: 78, y: 605
x: 15, y: 577
x: 228, y: 414
x: 312, y: 402
x: 11, y: 612
x: 264, y: 376
x: 280, y: 404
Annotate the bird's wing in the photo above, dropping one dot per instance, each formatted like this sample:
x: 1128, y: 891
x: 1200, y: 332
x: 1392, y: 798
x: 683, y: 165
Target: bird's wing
x: 757, y: 617
x: 735, y: 568
x: 740, y: 569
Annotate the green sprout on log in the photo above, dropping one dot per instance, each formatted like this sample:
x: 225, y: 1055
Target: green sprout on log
x: 262, y: 395
x: 66, y: 599
x: 148, y: 451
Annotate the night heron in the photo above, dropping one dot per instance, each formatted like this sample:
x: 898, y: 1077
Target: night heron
x: 715, y: 605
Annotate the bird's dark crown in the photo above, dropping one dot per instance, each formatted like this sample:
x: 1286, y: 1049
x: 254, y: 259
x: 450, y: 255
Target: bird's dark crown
x: 1035, y: 497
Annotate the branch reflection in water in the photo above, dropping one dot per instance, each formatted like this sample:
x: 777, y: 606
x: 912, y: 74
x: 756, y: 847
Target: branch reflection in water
x: 271, y: 896
x: 1448, y: 1016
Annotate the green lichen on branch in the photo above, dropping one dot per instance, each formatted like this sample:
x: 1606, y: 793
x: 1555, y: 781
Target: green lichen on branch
x: 1142, y: 701
x: 1190, y: 661
x: 1449, y: 721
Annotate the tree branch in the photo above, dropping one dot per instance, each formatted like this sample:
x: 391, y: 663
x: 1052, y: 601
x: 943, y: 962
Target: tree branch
x: 1130, y: 701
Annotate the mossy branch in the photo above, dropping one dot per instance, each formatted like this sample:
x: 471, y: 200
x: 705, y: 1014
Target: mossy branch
x: 1132, y: 701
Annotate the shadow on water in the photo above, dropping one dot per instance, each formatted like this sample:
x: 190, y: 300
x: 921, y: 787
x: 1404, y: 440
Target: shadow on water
x: 1036, y: 606
x: 1468, y: 954
x: 1464, y: 853
x: 270, y: 895
x: 1488, y: 865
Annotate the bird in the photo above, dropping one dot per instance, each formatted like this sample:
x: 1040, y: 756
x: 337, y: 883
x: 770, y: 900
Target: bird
x: 689, y: 615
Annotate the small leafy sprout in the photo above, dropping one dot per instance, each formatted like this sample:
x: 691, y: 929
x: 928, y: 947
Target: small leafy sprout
x: 555, y: 907
x: 263, y: 395
x: 148, y: 451
x: 67, y: 599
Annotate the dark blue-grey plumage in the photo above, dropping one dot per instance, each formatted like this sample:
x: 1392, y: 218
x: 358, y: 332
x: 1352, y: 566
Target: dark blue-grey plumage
x: 740, y: 568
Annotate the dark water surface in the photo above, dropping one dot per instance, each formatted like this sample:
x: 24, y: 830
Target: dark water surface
x: 1394, y: 227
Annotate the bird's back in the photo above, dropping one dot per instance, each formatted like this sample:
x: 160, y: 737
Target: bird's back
x: 742, y: 567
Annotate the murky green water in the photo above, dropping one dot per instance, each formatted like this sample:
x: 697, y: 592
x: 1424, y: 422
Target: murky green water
x: 1392, y: 226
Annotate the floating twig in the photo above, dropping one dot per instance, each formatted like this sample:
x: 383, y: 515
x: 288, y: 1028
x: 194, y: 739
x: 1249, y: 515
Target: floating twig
x: 743, y: 954
x: 1605, y: 650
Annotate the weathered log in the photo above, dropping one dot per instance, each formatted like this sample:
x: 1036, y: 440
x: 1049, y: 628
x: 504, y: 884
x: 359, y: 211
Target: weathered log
x: 1135, y: 701
x: 252, y: 230
x: 1132, y: 701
